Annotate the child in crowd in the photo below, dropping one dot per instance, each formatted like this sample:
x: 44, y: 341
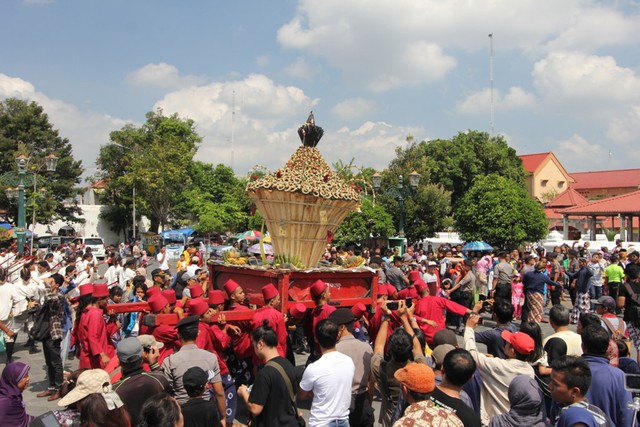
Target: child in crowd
x: 198, y: 412
x: 517, y: 295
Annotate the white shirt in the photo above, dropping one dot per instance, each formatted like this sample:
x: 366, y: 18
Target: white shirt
x: 23, y: 292
x: 111, y: 275
x: 7, y: 300
x: 329, y: 378
x: 164, y: 265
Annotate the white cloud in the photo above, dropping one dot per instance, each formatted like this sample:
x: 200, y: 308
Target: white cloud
x: 301, y: 69
x: 162, y: 75
x: 353, y: 108
x: 86, y: 130
x: 385, y: 45
x: 625, y: 127
x: 480, y: 102
x: 579, y: 154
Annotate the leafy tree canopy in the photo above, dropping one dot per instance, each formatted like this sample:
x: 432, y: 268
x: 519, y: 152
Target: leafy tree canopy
x: 455, y: 163
x: 499, y: 211
x: 370, y: 221
x: 27, y: 123
x: 155, y: 158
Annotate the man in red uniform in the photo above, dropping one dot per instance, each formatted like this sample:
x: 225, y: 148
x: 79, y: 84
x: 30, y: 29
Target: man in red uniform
x: 274, y: 317
x: 240, y: 358
x: 199, y: 307
x: 96, y: 348
x: 429, y: 312
x: 166, y: 334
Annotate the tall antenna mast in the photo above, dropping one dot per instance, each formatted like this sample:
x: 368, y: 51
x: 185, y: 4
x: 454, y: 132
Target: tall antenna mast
x: 491, y: 78
x: 233, y: 125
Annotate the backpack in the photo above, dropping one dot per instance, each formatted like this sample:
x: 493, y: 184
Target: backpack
x: 40, y: 330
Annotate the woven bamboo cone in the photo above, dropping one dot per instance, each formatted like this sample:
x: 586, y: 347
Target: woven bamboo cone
x: 299, y: 223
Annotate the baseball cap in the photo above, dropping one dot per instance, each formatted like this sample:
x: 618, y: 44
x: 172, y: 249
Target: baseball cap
x: 195, y: 378
x: 342, y: 316
x: 188, y: 275
x: 416, y: 377
x: 89, y: 382
x: 149, y: 341
x: 129, y: 350
x: 521, y: 342
x: 440, y: 352
x: 606, y: 301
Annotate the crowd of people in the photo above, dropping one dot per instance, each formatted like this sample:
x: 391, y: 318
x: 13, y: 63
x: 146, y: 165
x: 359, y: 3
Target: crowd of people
x: 415, y: 350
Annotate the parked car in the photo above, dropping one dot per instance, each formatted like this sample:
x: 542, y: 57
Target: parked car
x: 95, y: 243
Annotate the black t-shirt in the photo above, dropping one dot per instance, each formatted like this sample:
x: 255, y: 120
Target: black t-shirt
x: 200, y: 413
x: 628, y: 301
x: 462, y: 411
x: 270, y: 390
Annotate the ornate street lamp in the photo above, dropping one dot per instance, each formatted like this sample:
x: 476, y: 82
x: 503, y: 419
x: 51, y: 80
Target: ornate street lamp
x: 414, y: 181
x: 22, y: 162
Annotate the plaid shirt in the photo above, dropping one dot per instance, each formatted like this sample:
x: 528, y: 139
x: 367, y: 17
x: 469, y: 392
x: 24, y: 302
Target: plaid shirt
x: 56, y: 314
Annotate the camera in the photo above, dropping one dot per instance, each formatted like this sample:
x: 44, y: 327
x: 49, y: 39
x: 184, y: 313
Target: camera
x: 146, y: 349
x: 632, y: 382
x: 409, y: 302
x: 393, y: 305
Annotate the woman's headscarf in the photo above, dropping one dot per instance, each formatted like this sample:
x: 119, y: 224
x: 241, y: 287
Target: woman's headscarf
x: 527, y: 405
x: 12, y: 408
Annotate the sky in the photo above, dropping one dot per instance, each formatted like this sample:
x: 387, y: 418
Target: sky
x: 565, y: 74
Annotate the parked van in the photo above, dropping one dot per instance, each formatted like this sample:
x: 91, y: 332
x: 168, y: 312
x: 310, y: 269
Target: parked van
x: 95, y: 243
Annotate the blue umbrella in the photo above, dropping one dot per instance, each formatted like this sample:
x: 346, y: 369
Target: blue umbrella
x: 476, y: 246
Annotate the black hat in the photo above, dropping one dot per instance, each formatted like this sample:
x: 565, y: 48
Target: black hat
x: 195, y: 378
x: 634, y: 253
x: 342, y: 316
x: 188, y: 321
x: 157, y: 272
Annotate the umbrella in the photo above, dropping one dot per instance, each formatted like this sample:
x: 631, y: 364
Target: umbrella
x: 6, y: 225
x: 249, y: 235
x: 267, y: 238
x: 476, y: 246
x: 255, y: 249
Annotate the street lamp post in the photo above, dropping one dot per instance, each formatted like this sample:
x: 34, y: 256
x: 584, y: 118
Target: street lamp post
x: 414, y: 180
x: 22, y: 162
x: 50, y: 164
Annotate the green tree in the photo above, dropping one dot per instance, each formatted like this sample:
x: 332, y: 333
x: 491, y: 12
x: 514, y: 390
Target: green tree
x: 369, y: 221
x: 426, y: 207
x: 455, y: 163
x: 499, y: 211
x: 156, y: 158
x: 216, y: 200
x: 27, y: 123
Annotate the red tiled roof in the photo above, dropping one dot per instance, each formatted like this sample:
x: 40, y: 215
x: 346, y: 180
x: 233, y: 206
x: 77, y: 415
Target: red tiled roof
x: 606, y: 179
x: 99, y: 184
x: 626, y: 204
x: 532, y: 161
x: 567, y: 198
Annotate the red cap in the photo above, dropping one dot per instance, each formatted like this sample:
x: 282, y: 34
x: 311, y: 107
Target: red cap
x: 197, y: 307
x: 298, y: 310
x: 359, y: 310
x: 157, y: 303
x: 170, y: 295
x: 230, y: 286
x: 195, y: 291
x: 521, y: 342
x: 391, y: 290
x: 269, y: 292
x: 421, y: 286
x: 216, y: 297
x: 154, y: 290
x: 414, y: 276
x: 382, y: 289
x: 100, y: 290
x: 317, y: 288
x: 86, y: 289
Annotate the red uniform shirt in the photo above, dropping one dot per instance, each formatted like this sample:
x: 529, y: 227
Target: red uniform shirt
x: 93, y: 339
x: 220, y: 341
x: 242, y: 342
x: 432, y: 308
x: 276, y: 321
